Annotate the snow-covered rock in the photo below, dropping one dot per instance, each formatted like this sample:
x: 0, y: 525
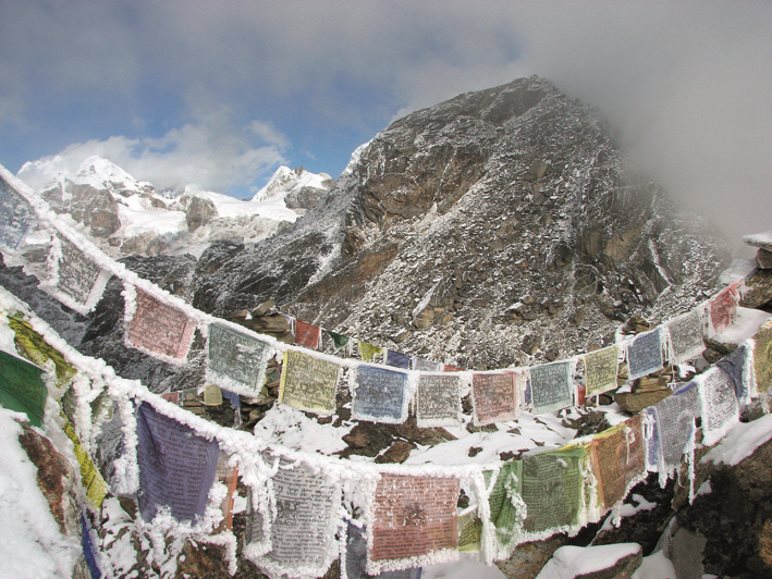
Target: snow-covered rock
x: 130, y: 217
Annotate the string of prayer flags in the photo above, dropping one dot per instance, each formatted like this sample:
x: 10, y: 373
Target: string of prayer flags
x: 762, y: 358
x: 157, y: 329
x: 600, y: 370
x: 685, y: 337
x: 308, y: 383
x: 73, y: 278
x: 236, y: 360
x: 494, y: 397
x: 16, y: 217
x: 379, y: 395
x: 438, y: 400
x: 506, y: 506
x: 22, y: 388
x: 718, y: 404
x: 369, y: 352
x: 303, y: 523
x: 675, y: 416
x: 551, y: 486
x: 722, y: 307
x: 177, y: 467
x: 644, y: 354
x: 33, y: 346
x: 552, y: 386
x: 307, y: 334
x: 413, y: 517
x: 94, y: 484
x: 618, y: 459
x: 397, y: 359
x: 737, y: 366
x: 424, y: 365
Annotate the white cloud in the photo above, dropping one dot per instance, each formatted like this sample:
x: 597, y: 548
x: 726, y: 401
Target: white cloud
x: 210, y: 154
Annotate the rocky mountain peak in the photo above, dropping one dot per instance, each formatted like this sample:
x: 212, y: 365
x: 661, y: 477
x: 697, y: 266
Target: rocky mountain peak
x: 501, y: 226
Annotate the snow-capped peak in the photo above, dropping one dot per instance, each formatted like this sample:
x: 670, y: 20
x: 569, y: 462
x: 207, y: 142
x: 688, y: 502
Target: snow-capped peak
x: 101, y: 173
x: 285, y: 180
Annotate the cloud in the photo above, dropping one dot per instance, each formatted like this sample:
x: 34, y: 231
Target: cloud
x: 686, y: 85
x: 210, y: 154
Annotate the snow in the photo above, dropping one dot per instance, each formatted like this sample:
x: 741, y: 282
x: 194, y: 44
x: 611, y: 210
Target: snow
x: 747, y: 322
x: 569, y: 561
x: 655, y: 566
x: 31, y: 544
x: 291, y: 428
x: 741, y: 441
x: 763, y: 239
x: 463, y: 569
x: 285, y: 180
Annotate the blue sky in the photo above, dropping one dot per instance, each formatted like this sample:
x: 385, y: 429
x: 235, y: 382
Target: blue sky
x: 217, y: 94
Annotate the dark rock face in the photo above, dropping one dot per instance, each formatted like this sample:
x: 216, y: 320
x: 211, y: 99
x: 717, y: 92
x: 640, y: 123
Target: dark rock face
x: 497, y: 227
x: 95, y: 208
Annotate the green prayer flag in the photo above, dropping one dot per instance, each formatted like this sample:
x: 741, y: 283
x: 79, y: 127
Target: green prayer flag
x: 505, y: 505
x: 551, y: 486
x: 338, y: 340
x: 32, y: 346
x: 469, y: 533
x: 22, y: 388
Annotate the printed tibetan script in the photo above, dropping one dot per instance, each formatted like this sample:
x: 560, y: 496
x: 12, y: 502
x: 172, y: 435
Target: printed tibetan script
x: 719, y: 406
x: 176, y: 466
x: 552, y: 387
x: 618, y: 458
x: 303, y: 529
x: 236, y: 360
x: 685, y: 337
x: 15, y: 217
x: 307, y: 335
x: 494, y: 397
x: 600, y: 370
x: 380, y: 395
x: 722, y: 307
x: 160, y: 329
x: 505, y: 516
x: 762, y: 357
x: 438, y: 400
x: 644, y: 354
x: 413, y: 516
x: 735, y: 364
x: 79, y: 282
x: 551, y: 487
x: 308, y: 383
x: 22, y: 388
x: 675, y: 416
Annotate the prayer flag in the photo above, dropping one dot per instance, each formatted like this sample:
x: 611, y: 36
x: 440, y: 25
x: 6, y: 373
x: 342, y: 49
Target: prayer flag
x: 308, y: 383
x: 73, y: 277
x: 552, y: 386
x: 723, y: 307
x: 426, y: 365
x: 369, y: 352
x: 675, y: 417
x: 718, y: 404
x: 494, y: 397
x: 736, y: 364
x: 236, y: 360
x: 33, y: 346
x: 177, y: 466
x: 618, y: 459
x: 397, y: 359
x: 379, y: 395
x: 156, y: 328
x: 22, y: 388
x: 762, y: 357
x: 644, y: 354
x: 413, y: 516
x: 685, y: 337
x: 438, y: 400
x: 600, y: 370
x: 307, y: 334
x: 94, y: 484
x: 16, y: 217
